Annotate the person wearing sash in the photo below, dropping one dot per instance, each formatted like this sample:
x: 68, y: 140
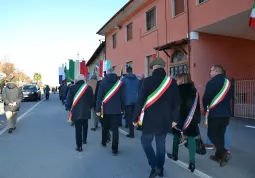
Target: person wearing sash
x: 157, y: 110
x: 216, y: 102
x: 190, y: 117
x: 80, y: 102
x: 110, y: 105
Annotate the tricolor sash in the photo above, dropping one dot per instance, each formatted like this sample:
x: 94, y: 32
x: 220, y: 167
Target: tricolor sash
x: 109, y: 95
x: 217, y: 99
x: 77, y: 97
x: 191, y: 113
x: 152, y: 98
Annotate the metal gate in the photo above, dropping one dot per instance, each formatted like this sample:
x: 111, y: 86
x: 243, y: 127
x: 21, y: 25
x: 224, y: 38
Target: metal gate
x: 244, y: 98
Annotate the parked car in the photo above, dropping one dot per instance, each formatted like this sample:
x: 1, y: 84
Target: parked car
x: 31, y: 92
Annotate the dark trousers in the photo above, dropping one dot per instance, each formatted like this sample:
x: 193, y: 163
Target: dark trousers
x: 155, y: 160
x: 129, y: 111
x: 216, y: 132
x: 81, y: 131
x: 111, y: 121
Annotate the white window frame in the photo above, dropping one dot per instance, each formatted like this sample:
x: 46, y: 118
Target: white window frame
x: 199, y: 3
x: 173, y: 8
x: 154, y: 6
x: 127, y: 31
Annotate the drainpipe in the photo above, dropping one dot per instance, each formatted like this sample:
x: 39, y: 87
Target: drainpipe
x: 166, y: 37
x: 188, y: 25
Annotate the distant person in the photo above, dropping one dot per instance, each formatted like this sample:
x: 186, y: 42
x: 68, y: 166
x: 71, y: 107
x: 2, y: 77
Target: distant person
x: 47, y: 92
x: 110, y: 105
x: 80, y: 104
x: 93, y: 84
x: 12, y: 97
x: 130, y: 85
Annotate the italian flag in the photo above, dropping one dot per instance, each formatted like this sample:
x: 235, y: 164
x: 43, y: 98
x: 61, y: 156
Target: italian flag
x: 252, y: 19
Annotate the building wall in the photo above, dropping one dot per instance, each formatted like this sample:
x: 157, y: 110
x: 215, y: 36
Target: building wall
x: 215, y: 10
x: 168, y: 29
x: 92, y: 66
x: 234, y: 54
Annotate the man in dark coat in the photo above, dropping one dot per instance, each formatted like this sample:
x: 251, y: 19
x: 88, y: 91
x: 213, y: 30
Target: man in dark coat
x: 12, y: 97
x: 112, y: 109
x: 81, y: 111
x: 218, y: 118
x: 159, y: 117
x: 131, y: 88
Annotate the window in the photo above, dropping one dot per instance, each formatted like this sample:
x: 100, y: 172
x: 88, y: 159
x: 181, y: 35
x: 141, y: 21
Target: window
x: 178, y: 63
x: 129, y: 28
x: 129, y: 64
x: 114, y: 41
x: 148, y: 61
x: 178, y: 7
x: 200, y: 1
x: 151, y: 19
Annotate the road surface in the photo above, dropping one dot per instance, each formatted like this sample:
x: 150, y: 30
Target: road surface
x: 43, y: 146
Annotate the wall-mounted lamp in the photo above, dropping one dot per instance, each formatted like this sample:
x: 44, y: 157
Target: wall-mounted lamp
x: 117, y: 27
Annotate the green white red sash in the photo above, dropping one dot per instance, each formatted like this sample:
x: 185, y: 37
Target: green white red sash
x: 77, y: 97
x: 152, y: 98
x: 217, y: 99
x: 191, y: 113
x: 109, y: 95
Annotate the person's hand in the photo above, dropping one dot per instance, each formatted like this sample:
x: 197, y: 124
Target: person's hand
x: 14, y: 104
x: 98, y: 113
x: 135, y: 124
x: 174, y: 124
x: 10, y: 104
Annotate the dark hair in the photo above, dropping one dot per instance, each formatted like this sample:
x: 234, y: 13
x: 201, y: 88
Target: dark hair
x: 185, y: 77
x: 72, y: 82
x: 124, y: 75
x: 129, y: 69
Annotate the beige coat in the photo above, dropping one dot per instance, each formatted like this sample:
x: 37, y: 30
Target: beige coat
x: 93, y: 84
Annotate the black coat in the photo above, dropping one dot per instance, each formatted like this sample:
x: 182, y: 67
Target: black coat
x: 159, y: 116
x: 116, y: 104
x: 84, y: 105
x: 96, y: 93
x: 213, y: 87
x: 188, y: 95
x: 10, y: 94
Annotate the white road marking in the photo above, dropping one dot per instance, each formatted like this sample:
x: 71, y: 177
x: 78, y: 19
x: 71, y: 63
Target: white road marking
x: 249, y: 126
x: 179, y: 163
x: 22, y: 116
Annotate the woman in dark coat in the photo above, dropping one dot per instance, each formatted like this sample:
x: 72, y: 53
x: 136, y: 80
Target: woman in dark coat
x: 188, y: 95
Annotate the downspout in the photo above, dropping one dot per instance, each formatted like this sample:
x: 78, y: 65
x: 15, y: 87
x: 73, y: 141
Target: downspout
x: 166, y: 37
x: 188, y: 25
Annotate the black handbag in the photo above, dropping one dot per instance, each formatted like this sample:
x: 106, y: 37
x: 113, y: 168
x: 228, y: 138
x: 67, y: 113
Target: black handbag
x: 200, y: 147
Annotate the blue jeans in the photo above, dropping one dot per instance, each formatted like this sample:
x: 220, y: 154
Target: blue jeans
x: 155, y: 160
x: 226, y: 139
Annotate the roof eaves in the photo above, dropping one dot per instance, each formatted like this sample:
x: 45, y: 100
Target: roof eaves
x: 113, y: 17
x: 96, y: 53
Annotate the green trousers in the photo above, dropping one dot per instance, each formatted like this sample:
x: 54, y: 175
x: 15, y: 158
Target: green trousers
x: 191, y: 145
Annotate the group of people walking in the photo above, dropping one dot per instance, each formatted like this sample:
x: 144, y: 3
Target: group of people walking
x: 158, y: 104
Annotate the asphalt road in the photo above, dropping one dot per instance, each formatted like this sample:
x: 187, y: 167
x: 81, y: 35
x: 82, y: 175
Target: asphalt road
x: 43, y: 146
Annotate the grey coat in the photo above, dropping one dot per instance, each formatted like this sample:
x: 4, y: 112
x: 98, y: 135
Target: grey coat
x: 10, y: 94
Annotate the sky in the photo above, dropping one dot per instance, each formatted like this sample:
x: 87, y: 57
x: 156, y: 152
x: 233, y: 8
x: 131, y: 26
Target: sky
x: 40, y: 35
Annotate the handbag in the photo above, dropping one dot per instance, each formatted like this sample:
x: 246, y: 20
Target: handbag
x: 200, y: 147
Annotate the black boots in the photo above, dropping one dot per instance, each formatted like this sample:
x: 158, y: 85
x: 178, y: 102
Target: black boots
x: 173, y: 157
x: 79, y: 149
x: 192, y: 167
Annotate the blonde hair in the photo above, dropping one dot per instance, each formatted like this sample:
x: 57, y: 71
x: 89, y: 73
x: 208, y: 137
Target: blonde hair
x: 185, y: 78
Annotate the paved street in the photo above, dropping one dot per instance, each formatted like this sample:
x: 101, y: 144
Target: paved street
x: 43, y: 146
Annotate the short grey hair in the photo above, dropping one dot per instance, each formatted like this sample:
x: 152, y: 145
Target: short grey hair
x: 80, y: 77
x: 110, y: 71
x: 158, y: 66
